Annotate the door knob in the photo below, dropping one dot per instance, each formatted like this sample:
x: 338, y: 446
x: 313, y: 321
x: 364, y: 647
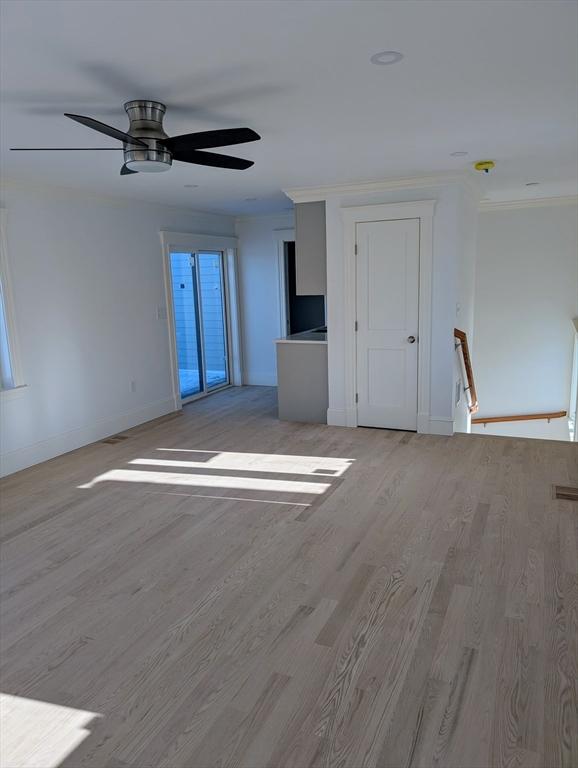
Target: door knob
x: 411, y: 339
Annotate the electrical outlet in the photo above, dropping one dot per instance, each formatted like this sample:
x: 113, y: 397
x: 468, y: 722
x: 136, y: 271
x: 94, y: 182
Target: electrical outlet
x: 132, y: 386
x: 161, y: 313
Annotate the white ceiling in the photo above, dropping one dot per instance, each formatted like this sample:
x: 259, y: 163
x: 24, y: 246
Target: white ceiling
x: 495, y: 78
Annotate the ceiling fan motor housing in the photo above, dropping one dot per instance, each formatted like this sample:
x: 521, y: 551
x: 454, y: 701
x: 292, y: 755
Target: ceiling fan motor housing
x: 146, y: 124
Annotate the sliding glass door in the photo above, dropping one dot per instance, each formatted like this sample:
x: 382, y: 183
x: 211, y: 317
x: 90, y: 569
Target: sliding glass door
x: 212, y: 292
x: 199, y: 308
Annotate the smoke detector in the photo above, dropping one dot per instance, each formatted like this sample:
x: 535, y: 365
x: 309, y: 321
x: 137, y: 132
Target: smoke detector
x: 484, y: 165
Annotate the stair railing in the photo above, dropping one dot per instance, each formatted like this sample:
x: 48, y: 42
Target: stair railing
x: 466, y: 362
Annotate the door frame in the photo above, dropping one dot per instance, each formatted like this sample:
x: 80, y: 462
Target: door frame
x: 424, y: 211
x: 191, y: 243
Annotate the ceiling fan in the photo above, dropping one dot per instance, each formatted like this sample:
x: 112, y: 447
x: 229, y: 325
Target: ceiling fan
x: 148, y: 149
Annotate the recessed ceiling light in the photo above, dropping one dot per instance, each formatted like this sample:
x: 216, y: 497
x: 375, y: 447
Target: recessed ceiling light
x: 458, y: 154
x: 386, y: 57
x: 533, y: 184
x: 190, y: 186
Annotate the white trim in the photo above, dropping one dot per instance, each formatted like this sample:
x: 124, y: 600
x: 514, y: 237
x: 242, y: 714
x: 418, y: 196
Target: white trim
x: 233, y: 318
x: 313, y: 194
x: 352, y: 215
x: 467, y: 180
x: 283, y: 236
x: 14, y: 461
x: 537, y: 202
x: 342, y: 417
x: 439, y: 427
x: 573, y: 405
x: 9, y: 306
x: 192, y: 242
x: 262, y: 379
x: 14, y: 393
x: 175, y: 387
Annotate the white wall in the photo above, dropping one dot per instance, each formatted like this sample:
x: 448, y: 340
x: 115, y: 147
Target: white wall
x: 87, y: 282
x: 259, y: 294
x: 467, y: 255
x: 448, y: 240
x: 526, y: 296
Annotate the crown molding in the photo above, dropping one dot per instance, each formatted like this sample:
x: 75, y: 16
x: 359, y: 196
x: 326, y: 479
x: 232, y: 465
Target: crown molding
x: 536, y: 202
x: 315, y: 194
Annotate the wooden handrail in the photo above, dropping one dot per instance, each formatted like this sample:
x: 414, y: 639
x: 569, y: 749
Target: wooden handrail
x: 520, y: 417
x: 463, y: 342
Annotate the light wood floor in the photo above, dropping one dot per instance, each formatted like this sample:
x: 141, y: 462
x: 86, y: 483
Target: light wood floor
x: 348, y: 598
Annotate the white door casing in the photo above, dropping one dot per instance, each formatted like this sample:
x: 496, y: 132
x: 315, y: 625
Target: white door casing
x: 387, y: 302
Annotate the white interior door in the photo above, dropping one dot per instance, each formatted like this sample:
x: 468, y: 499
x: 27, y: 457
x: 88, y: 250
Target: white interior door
x: 387, y: 270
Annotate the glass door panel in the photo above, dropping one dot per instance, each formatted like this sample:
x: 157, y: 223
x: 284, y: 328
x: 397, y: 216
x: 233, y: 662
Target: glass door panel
x: 212, y: 303
x: 187, y: 324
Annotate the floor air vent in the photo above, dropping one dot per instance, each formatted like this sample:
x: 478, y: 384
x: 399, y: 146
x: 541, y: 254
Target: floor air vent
x: 114, y: 439
x: 565, y: 492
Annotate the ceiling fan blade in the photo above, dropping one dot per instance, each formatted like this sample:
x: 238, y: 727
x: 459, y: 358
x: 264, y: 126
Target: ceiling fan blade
x: 66, y: 149
x: 124, y: 171
x: 206, y: 139
x: 212, y: 159
x: 108, y: 130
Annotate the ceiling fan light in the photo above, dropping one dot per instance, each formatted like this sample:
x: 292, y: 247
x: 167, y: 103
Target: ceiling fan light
x: 155, y: 159
x: 148, y: 166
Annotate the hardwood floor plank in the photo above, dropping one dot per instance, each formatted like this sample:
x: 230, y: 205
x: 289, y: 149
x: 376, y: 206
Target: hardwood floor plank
x: 417, y: 715
x: 449, y: 652
x: 345, y: 606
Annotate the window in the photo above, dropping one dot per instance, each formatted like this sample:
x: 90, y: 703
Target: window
x: 187, y: 324
x: 6, y: 372
x: 212, y: 292
x: 10, y: 378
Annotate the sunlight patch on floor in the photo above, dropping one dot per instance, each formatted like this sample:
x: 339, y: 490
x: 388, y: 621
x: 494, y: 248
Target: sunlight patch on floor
x: 257, y: 462
x: 39, y: 734
x: 208, y: 481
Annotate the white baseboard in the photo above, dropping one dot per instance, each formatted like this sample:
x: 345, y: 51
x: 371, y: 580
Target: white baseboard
x: 342, y: 417
x: 440, y: 427
x: 423, y: 423
x: 14, y: 461
x: 347, y: 417
x: 260, y: 379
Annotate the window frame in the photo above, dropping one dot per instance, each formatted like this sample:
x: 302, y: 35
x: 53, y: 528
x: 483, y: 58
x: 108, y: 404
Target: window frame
x: 225, y: 315
x: 10, y: 315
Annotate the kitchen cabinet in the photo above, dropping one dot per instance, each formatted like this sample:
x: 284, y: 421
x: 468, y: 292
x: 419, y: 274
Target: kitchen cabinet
x: 310, y: 249
x: 302, y: 388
